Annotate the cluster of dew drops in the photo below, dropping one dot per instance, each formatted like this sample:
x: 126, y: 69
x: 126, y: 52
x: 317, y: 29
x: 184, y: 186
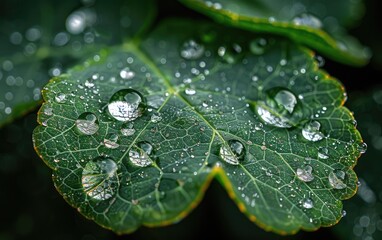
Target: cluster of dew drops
x: 128, y: 104
x: 278, y: 110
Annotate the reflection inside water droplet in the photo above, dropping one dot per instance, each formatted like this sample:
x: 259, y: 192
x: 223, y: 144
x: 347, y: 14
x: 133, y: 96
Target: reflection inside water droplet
x: 141, y: 154
x: 233, y: 152
x: 126, y: 105
x: 87, y: 123
x: 100, y: 179
x: 323, y: 153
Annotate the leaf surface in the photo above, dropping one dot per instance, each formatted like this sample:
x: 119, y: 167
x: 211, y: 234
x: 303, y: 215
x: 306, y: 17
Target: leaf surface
x: 135, y: 137
x: 318, y: 25
x: 40, y: 44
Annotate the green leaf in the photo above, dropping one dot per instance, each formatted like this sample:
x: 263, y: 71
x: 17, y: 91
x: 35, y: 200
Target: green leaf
x: 318, y: 25
x: 40, y: 44
x: 363, y: 212
x: 135, y: 138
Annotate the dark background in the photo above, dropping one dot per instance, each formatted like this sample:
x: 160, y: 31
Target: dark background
x: 32, y: 209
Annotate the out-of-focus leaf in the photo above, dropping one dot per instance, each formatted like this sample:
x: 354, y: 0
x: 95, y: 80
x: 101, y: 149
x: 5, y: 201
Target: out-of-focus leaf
x: 316, y: 24
x: 41, y: 39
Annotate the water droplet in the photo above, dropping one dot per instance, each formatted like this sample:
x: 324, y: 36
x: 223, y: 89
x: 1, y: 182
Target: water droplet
x: 191, y: 50
x: 306, y: 19
x: 229, y: 54
x: 311, y: 131
x: 156, y: 117
x: 233, y: 152
x: 87, y: 123
x: 336, y: 178
x: 60, y: 98
x: 111, y: 141
x: 305, y: 173
x: 362, y: 147
x: 140, y: 154
x: 323, y: 153
x: 308, y: 203
x: 279, y: 108
x: 258, y: 46
x: 126, y: 105
x: 100, y: 179
x: 320, y: 60
x: 48, y: 111
x: 126, y: 73
x: 190, y: 91
x: 343, y: 213
x: 127, y: 130
x: 75, y: 23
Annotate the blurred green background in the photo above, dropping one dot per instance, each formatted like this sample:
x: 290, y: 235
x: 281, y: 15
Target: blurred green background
x: 32, y: 208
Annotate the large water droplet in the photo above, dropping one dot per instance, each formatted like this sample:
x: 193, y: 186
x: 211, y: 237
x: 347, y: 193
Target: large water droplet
x: 100, y: 179
x: 308, y: 203
x: 233, y: 152
x: 279, y: 108
x: 126, y: 105
x: 191, y: 50
x: 190, y: 91
x: 87, y: 123
x: 306, y: 19
x: 141, y: 154
x: 126, y: 73
x: 311, y: 131
x: 336, y: 178
x: 305, y: 173
x: 323, y: 153
x: 111, y: 141
x: 258, y: 46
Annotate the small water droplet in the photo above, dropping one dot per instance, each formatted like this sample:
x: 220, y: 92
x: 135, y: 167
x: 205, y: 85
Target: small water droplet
x: 336, y: 178
x: 48, y: 111
x: 320, y: 60
x: 87, y: 123
x: 190, y: 91
x: 191, y: 50
x: 306, y: 19
x: 60, y: 98
x: 258, y: 46
x: 156, y: 117
x: 111, y: 141
x: 100, y: 179
x: 126, y: 105
x: 126, y: 73
x: 89, y: 83
x: 140, y: 155
x: 323, y: 153
x: 305, y: 173
x: 311, y: 131
x: 362, y: 147
x: 127, y: 129
x: 308, y: 203
x: 343, y: 213
x: 233, y: 152
x: 229, y: 54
